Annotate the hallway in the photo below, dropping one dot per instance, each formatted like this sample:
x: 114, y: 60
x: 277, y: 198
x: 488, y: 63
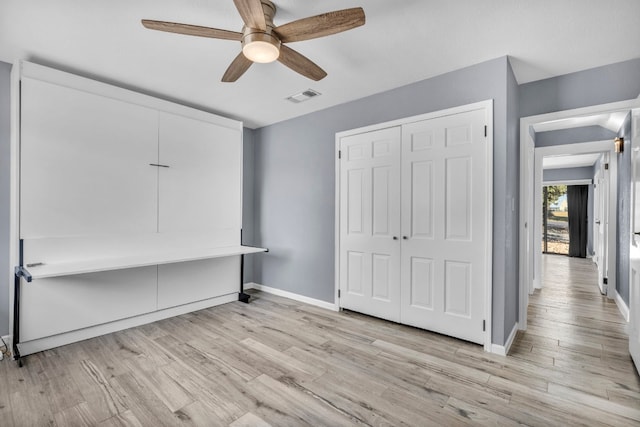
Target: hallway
x: 574, y: 329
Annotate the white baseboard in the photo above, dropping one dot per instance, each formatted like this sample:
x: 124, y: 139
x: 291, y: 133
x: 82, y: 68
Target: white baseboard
x: 503, y: 350
x: 296, y: 297
x: 622, y: 306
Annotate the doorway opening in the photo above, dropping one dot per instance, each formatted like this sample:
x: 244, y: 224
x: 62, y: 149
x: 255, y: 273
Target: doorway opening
x: 559, y: 134
x: 555, y: 220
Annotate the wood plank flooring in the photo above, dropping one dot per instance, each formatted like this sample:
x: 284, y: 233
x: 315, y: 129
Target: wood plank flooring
x: 277, y: 362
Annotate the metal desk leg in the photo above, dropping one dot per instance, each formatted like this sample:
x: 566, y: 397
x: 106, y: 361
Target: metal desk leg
x: 242, y: 296
x: 16, y: 320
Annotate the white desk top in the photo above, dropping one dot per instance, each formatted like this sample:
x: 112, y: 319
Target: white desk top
x: 131, y: 261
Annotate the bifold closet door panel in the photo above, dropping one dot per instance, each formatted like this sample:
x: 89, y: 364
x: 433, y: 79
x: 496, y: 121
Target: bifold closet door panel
x: 62, y: 304
x: 201, y: 189
x: 187, y: 282
x: 444, y: 224
x: 370, y: 223
x: 84, y: 166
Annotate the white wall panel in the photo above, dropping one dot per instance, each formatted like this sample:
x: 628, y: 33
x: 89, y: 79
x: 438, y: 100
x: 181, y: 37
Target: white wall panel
x: 186, y: 282
x: 201, y: 188
x: 85, y: 164
x: 62, y: 304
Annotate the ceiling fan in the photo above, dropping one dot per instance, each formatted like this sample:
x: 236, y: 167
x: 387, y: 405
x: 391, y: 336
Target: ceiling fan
x: 262, y: 42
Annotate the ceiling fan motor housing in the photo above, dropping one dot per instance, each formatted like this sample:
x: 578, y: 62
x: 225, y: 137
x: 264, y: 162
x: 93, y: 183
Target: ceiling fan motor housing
x: 262, y: 45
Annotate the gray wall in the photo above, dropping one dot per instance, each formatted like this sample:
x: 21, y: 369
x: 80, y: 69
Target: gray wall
x: 610, y: 83
x: 248, y: 181
x: 5, y: 120
x: 512, y: 208
x: 623, y: 239
x: 573, y: 136
x: 601, y: 85
x: 567, y: 174
x: 295, y: 182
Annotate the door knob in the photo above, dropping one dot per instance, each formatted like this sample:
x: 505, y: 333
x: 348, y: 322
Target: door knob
x: 395, y: 237
x: 405, y: 238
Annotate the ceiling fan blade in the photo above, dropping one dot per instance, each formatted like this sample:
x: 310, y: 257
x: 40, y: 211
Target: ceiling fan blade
x: 191, y: 30
x: 237, y: 68
x: 251, y: 13
x: 300, y: 64
x: 321, y: 25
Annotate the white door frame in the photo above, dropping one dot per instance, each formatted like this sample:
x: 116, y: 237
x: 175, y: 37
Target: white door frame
x: 488, y: 107
x: 568, y: 149
x: 527, y: 190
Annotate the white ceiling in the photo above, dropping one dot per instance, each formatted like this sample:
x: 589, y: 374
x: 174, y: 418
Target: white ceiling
x: 402, y: 42
x: 570, y: 161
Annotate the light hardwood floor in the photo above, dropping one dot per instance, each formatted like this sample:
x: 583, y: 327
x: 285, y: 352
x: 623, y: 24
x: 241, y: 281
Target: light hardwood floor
x: 277, y: 362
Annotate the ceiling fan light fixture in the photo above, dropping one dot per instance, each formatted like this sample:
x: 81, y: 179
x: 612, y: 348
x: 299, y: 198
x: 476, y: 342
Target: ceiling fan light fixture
x: 260, y: 47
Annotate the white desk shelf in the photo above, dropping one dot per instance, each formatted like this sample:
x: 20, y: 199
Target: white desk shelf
x: 132, y: 261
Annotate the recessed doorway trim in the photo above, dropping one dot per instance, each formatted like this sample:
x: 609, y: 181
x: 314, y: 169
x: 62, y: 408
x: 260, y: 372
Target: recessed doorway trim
x: 527, y: 186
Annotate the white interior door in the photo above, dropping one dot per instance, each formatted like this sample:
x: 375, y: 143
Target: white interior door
x: 444, y: 224
x: 598, y: 225
x: 601, y: 199
x: 596, y: 217
x: 370, y: 223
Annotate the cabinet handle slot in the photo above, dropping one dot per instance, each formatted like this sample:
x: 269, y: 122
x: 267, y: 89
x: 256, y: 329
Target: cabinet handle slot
x: 160, y: 166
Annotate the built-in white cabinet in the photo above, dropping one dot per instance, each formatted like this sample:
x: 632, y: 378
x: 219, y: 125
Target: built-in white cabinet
x: 57, y: 305
x: 127, y: 208
x: 84, y: 163
x: 414, y: 221
x: 200, y: 189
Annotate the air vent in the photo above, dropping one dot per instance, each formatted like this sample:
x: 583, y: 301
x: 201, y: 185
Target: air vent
x: 303, y: 96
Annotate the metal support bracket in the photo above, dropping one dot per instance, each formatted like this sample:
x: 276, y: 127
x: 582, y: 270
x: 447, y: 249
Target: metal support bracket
x: 23, y: 272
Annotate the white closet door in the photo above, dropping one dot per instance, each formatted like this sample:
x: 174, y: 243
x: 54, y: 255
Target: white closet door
x: 370, y: 223
x: 85, y: 164
x: 201, y: 189
x: 444, y: 232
